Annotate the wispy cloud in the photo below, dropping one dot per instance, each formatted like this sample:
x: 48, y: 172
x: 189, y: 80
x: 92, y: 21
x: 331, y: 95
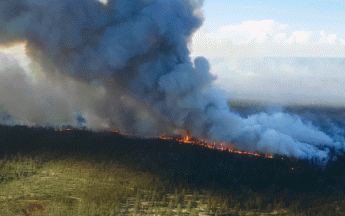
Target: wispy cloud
x: 266, y: 38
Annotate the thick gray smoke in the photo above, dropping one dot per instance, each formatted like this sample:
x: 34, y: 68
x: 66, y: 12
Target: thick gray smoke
x: 36, y: 100
x: 137, y: 50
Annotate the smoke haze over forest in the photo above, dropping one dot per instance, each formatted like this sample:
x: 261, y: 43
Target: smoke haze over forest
x: 126, y: 65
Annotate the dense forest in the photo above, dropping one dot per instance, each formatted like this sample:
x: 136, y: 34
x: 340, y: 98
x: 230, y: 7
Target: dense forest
x: 165, y: 177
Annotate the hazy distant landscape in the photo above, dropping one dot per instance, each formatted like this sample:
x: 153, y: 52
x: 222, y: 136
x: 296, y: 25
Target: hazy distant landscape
x: 248, y: 107
x: 282, y: 80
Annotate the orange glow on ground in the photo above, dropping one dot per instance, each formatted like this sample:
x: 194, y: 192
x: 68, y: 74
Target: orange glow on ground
x: 191, y: 140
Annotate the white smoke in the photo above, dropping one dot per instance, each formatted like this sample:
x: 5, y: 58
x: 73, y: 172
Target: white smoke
x: 138, y: 51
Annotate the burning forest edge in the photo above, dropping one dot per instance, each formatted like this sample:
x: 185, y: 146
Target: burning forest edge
x: 127, y: 65
x: 220, y: 146
x: 297, y: 185
x: 187, y: 139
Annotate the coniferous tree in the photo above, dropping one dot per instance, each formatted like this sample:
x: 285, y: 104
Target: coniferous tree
x: 150, y: 211
x: 237, y: 206
x: 258, y: 202
x: 137, y: 205
x: 194, y: 212
x: 280, y: 205
x: 189, y: 205
x: 269, y: 207
x: 224, y: 206
x: 164, y: 201
x: 251, y: 203
x: 179, y: 209
x: 181, y: 196
x: 169, y: 212
x: 247, y: 205
x: 170, y: 204
x: 153, y: 198
x: 208, y: 207
x: 195, y: 196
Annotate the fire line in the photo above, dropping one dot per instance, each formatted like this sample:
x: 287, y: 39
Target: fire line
x: 192, y: 140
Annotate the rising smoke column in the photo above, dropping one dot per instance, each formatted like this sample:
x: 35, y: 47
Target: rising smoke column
x: 138, y: 49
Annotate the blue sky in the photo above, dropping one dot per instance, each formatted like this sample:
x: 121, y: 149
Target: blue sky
x: 301, y: 15
x: 277, y: 51
x: 284, y: 28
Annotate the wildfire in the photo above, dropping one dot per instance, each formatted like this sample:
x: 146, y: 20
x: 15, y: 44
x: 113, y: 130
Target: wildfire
x: 249, y: 153
x: 186, y: 140
x: 123, y: 134
x: 221, y: 146
x: 67, y: 129
x: 191, y: 140
x: 165, y: 137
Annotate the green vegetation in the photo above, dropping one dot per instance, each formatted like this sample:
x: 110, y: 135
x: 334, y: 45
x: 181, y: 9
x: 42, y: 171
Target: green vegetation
x: 47, y: 172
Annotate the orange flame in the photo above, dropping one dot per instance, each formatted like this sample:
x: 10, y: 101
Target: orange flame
x: 68, y: 129
x: 191, y: 140
x: 188, y: 139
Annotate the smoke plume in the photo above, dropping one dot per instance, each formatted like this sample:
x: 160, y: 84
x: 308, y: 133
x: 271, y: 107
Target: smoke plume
x: 126, y: 65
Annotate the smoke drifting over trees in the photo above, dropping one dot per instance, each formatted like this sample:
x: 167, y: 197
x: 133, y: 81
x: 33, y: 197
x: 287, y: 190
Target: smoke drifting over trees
x: 126, y: 65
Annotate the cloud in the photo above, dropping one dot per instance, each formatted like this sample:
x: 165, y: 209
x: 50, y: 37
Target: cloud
x: 265, y: 38
x: 254, y: 30
x: 328, y: 39
x: 301, y: 37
